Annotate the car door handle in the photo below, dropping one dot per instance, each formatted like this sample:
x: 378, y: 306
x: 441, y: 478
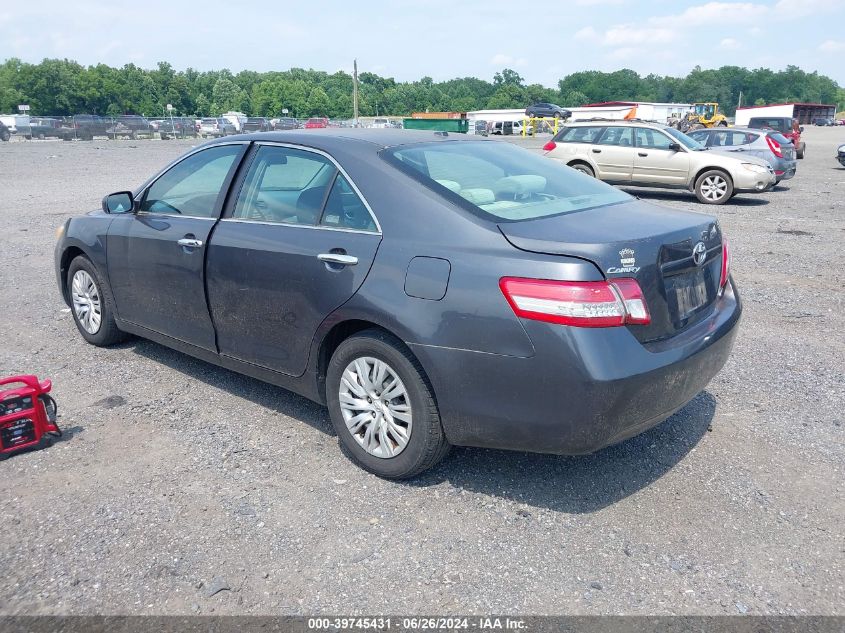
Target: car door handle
x: 337, y: 258
x: 643, y: 154
x: 189, y: 243
x: 596, y: 151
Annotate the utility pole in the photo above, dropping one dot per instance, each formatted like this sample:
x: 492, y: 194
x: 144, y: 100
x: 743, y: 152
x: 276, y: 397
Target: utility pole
x: 355, y: 92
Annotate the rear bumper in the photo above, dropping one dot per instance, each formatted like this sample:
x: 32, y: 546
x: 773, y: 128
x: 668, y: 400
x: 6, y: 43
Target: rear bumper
x: 584, y: 388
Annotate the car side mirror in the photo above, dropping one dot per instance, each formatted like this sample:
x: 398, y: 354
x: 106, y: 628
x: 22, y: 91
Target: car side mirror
x: 675, y: 147
x: 120, y: 202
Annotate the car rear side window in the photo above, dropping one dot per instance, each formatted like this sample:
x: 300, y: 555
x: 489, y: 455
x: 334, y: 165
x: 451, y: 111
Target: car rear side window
x: 731, y: 138
x: 501, y: 181
x: 191, y: 186
x: 622, y: 136
x: 284, y: 185
x: 580, y: 134
x: 345, y: 210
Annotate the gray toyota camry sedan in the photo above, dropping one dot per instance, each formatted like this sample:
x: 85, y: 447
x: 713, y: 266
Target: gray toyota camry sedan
x: 430, y: 289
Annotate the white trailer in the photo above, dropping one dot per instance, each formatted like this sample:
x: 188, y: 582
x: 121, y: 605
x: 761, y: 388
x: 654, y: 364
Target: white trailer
x: 804, y: 112
x: 781, y: 110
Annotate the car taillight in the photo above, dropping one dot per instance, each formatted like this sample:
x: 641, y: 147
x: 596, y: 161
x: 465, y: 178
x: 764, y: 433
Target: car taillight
x: 726, y: 263
x: 549, y: 146
x: 774, y: 146
x: 579, y: 303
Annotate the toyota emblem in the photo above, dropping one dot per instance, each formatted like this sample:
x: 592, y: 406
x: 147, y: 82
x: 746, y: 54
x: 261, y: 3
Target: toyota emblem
x: 699, y: 254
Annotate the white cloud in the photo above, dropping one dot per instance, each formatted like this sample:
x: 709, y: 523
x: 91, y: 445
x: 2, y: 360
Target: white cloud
x: 593, y: 3
x: 729, y: 44
x: 800, y: 8
x: 627, y: 34
x: 586, y: 34
x: 711, y: 13
x: 500, y: 59
x: 831, y: 46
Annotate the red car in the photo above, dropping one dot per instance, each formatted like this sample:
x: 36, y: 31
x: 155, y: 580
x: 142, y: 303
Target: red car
x: 316, y: 122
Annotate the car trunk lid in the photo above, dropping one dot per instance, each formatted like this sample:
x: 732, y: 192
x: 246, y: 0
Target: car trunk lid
x: 651, y: 244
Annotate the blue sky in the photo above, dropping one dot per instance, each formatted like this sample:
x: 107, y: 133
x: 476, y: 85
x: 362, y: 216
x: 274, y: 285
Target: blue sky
x: 439, y: 38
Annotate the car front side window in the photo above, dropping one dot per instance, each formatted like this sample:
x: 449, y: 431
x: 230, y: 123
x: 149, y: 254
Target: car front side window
x: 652, y: 139
x: 192, y: 186
x: 700, y: 136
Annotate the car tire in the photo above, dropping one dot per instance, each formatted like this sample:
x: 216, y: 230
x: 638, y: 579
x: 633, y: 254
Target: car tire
x: 425, y: 444
x: 90, y: 286
x: 5, y: 136
x: 584, y: 168
x: 714, y: 187
x: 723, y: 124
x: 800, y: 152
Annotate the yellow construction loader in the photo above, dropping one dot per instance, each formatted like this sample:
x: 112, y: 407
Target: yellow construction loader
x: 703, y: 115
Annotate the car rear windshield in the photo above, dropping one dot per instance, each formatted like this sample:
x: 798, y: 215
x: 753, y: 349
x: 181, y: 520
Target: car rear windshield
x: 781, y: 125
x: 209, y: 120
x: 504, y: 182
x: 780, y: 138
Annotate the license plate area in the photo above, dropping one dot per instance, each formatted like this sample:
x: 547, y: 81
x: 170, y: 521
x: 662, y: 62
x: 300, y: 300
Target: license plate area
x: 688, y: 295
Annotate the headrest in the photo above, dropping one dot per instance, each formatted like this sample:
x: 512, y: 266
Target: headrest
x: 516, y: 185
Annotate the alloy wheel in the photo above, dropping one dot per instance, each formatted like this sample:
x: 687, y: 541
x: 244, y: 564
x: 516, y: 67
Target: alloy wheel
x: 376, y: 407
x: 87, y: 305
x: 714, y: 188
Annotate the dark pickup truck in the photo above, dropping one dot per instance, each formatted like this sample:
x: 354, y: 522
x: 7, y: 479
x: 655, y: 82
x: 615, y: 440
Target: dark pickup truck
x: 130, y: 126
x: 177, y: 127
x: 255, y: 124
x: 785, y: 125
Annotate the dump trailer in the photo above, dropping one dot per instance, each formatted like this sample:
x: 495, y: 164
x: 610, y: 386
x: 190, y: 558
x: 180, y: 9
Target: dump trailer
x: 437, y: 125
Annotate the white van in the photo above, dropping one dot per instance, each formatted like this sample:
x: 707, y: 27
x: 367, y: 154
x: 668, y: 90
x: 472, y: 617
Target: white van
x: 17, y: 123
x: 381, y: 123
x: 235, y: 118
x: 517, y: 128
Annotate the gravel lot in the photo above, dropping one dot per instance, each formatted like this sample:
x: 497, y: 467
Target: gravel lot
x: 176, y: 480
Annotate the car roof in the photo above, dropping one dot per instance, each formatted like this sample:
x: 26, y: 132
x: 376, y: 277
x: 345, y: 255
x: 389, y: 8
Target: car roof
x: 736, y: 128
x: 599, y: 122
x: 326, y: 138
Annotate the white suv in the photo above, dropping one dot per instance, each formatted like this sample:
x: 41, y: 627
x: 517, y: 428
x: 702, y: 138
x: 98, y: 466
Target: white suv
x: 639, y: 153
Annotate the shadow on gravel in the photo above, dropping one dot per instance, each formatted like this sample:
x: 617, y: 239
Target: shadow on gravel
x: 580, y: 484
x: 574, y: 485
x: 269, y: 396
x: 47, y: 441
x: 741, y: 200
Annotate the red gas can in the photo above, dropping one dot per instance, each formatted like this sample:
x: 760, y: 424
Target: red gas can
x: 26, y: 413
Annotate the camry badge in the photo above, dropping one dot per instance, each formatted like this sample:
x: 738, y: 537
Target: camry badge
x: 627, y: 261
x: 699, y: 254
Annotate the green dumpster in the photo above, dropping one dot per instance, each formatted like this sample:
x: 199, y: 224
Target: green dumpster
x: 437, y: 125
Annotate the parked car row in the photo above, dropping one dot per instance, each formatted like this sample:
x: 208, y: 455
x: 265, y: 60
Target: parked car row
x: 822, y: 121
x: 646, y: 154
